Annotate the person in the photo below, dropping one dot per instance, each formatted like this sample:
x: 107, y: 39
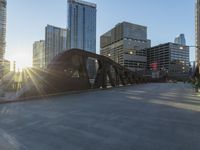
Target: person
x: 196, y: 85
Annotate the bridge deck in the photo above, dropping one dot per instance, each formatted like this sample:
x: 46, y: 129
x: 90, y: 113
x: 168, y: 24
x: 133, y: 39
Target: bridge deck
x: 142, y: 117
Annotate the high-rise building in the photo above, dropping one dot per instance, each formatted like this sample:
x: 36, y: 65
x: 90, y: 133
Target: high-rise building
x: 55, y: 42
x: 125, y: 44
x: 180, y: 39
x: 3, y: 4
x: 170, y: 57
x: 39, y: 54
x: 6, y: 66
x: 82, y: 25
x: 197, y: 30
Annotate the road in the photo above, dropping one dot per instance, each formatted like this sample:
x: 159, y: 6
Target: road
x: 162, y: 116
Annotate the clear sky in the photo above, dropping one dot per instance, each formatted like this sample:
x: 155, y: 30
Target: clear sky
x: 165, y: 19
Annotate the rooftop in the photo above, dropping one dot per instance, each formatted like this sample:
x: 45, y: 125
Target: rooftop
x: 83, y: 3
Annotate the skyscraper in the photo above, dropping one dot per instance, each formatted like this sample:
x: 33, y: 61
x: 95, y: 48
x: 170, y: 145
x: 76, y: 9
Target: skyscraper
x: 197, y: 30
x: 82, y: 25
x: 38, y: 54
x: 125, y: 44
x: 180, y: 39
x: 3, y: 4
x: 55, y: 42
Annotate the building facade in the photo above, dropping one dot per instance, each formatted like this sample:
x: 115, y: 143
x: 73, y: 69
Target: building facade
x: 197, y: 30
x: 180, y: 39
x: 55, y: 42
x: 82, y: 25
x: 125, y: 44
x: 39, y: 54
x: 171, y: 57
x: 3, y: 4
x: 6, y: 66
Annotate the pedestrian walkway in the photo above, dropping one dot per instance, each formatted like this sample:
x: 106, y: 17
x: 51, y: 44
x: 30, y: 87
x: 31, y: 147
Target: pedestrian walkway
x: 164, y: 116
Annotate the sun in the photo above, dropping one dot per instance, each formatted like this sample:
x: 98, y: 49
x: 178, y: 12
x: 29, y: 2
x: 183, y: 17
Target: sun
x: 22, y: 61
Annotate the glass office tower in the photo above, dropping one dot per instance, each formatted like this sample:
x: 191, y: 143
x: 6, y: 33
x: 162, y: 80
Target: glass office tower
x: 39, y: 54
x: 197, y: 30
x: 55, y: 42
x: 180, y: 39
x: 82, y: 25
x: 2, y: 27
x: 2, y: 34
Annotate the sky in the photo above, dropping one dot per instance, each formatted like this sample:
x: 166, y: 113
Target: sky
x: 165, y: 19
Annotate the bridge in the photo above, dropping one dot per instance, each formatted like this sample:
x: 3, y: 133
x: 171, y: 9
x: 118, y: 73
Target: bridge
x: 71, y: 71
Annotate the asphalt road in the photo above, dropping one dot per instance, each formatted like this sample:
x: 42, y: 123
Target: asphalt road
x: 140, y: 117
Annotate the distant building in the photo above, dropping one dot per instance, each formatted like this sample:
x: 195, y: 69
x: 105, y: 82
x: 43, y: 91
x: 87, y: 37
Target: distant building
x: 13, y: 66
x: 39, y: 54
x: 125, y: 43
x: 171, y: 57
x: 6, y: 66
x: 197, y: 30
x: 3, y: 4
x: 82, y: 25
x: 180, y: 39
x: 55, y: 42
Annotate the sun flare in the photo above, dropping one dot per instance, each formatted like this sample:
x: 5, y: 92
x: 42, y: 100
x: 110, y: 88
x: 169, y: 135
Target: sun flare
x: 22, y: 61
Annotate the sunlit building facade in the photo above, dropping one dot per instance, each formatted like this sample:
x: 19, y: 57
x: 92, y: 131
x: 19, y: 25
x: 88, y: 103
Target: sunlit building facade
x: 3, y: 4
x: 125, y: 44
x: 197, y: 30
x: 55, y: 42
x: 39, y: 54
x: 6, y: 67
x: 82, y: 25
